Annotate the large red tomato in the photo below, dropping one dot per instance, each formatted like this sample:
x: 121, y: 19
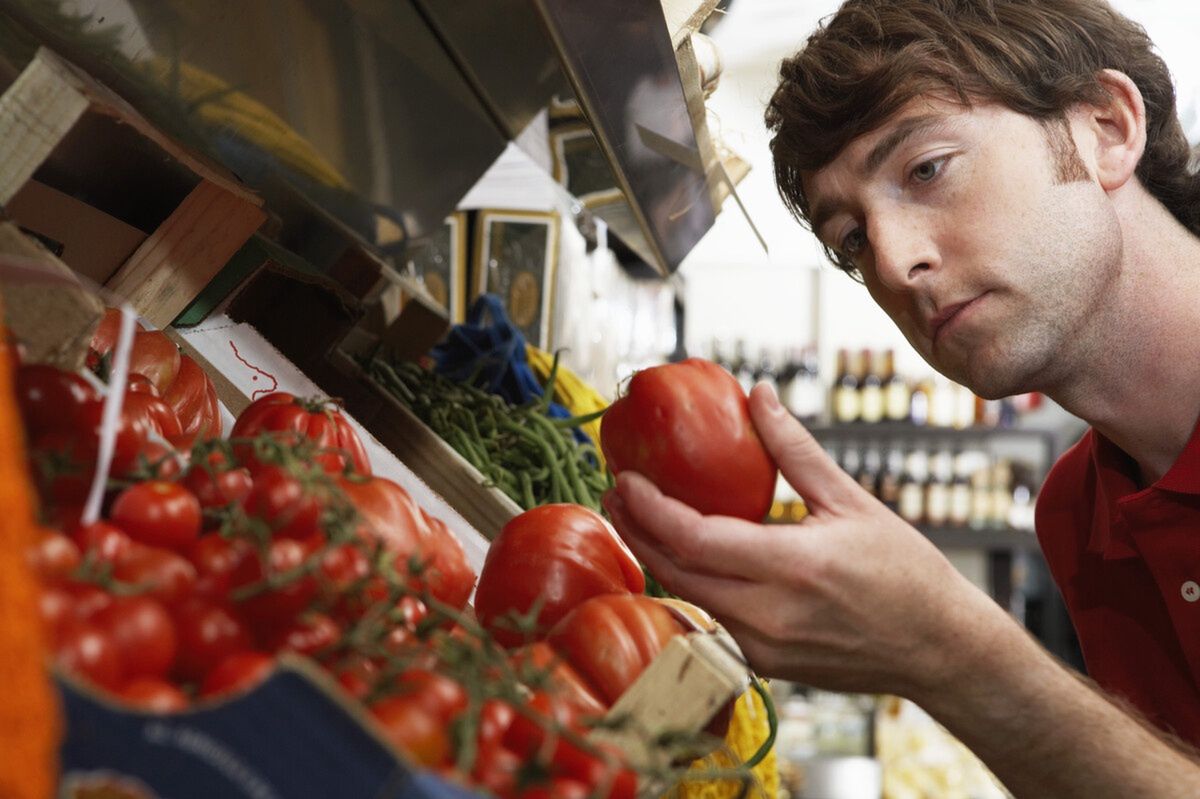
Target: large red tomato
x: 610, y: 639
x: 686, y: 426
x: 292, y: 418
x: 179, y: 380
x: 389, y: 513
x: 50, y: 398
x: 558, y: 554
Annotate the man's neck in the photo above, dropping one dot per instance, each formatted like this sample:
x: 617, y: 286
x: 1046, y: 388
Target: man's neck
x: 1138, y: 382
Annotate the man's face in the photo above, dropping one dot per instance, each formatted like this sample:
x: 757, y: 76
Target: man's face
x: 967, y: 236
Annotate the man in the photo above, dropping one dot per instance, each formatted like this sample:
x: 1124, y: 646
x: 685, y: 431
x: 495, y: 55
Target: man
x: 1008, y: 179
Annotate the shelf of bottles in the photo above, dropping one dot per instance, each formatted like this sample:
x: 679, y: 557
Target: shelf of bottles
x: 929, y: 449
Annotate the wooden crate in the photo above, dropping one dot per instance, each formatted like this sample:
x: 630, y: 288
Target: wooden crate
x: 80, y: 139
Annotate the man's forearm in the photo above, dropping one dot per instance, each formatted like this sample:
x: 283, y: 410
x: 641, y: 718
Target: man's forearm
x: 1045, y: 732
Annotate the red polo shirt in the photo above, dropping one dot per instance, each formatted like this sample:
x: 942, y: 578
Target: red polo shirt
x: 1127, y: 562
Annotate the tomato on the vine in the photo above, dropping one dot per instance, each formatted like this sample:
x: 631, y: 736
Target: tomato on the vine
x: 414, y: 729
x: 216, y: 482
x: 686, y: 426
x: 273, y: 605
x: 240, y: 671
x: 290, y: 506
x: 143, y: 632
x: 152, y: 695
x: 163, y: 574
x: 310, y: 635
x: 102, y: 541
x: 291, y: 419
x: 208, y: 632
x: 86, y: 650
x: 158, y: 513
x: 54, y: 557
x: 215, y: 559
x: 555, y: 555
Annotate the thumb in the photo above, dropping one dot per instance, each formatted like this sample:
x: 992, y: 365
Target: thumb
x: 800, y: 457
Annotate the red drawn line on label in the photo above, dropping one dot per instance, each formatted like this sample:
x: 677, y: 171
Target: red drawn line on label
x: 271, y: 377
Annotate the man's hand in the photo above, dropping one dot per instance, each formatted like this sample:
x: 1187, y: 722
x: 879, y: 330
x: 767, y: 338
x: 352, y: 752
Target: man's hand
x: 851, y: 598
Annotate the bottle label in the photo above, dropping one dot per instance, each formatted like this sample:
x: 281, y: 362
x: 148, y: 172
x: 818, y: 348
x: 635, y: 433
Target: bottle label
x: 846, y: 405
x: 872, y: 404
x: 896, y: 401
x: 937, y: 504
x: 912, y: 503
x: 960, y: 504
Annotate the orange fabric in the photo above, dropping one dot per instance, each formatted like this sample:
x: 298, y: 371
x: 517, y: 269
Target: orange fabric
x: 29, y: 721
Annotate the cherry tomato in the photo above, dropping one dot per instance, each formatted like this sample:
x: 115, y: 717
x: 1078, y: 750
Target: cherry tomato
x: 215, y: 559
x: 54, y: 557
x: 143, y: 632
x: 290, y: 419
x: 358, y: 675
x: 414, y: 729
x: 276, y: 606
x: 557, y: 788
x: 557, y: 555
x: 88, y: 600
x: 217, y: 484
x: 496, y: 769
x: 156, y: 461
x: 240, y: 671
x: 86, y: 650
x: 158, y: 513
x: 437, y: 693
x: 102, y: 540
x: 56, y: 607
x: 686, y: 426
x: 153, y: 695
x: 289, y: 507
x: 165, y: 575
x: 310, y: 635
x: 208, y: 632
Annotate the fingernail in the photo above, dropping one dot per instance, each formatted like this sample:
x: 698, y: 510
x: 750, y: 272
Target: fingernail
x: 772, y: 398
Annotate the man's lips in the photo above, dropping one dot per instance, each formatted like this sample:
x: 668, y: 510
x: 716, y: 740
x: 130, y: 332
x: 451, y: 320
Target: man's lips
x: 943, y: 318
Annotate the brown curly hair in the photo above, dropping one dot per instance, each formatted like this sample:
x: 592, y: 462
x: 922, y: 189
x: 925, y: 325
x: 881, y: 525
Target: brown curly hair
x: 1036, y: 57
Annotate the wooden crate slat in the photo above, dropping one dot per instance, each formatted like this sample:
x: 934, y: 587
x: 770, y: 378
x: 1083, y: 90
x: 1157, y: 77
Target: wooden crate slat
x: 36, y: 112
x: 50, y: 312
x: 178, y: 260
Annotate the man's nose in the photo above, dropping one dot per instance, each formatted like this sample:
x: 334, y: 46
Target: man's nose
x: 903, y: 249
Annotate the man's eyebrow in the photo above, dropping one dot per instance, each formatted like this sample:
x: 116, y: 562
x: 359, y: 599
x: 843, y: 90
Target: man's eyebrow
x: 822, y: 212
x: 904, y: 130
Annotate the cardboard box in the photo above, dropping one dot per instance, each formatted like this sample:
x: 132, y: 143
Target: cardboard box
x: 293, y: 737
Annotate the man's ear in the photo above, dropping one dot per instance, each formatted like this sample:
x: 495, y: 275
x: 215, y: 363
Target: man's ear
x: 1118, y: 129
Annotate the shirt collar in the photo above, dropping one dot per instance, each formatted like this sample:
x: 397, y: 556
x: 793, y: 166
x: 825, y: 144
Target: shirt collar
x: 1114, y: 472
x: 1116, y: 480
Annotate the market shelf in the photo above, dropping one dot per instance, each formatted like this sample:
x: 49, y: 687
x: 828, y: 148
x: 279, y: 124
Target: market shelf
x: 1005, y: 538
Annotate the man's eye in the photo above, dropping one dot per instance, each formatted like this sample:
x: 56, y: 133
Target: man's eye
x: 854, y: 242
x: 928, y: 170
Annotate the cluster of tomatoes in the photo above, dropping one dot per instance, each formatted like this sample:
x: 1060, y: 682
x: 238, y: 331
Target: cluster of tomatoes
x: 212, y: 557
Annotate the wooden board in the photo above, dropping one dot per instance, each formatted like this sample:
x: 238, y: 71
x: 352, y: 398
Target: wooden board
x: 684, y: 17
x: 178, y: 260
x: 36, y: 112
x: 690, y: 681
